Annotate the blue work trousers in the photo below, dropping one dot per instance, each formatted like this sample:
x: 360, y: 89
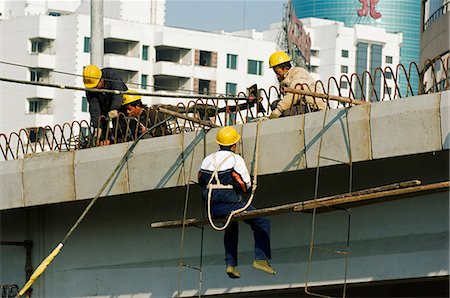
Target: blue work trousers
x: 260, y: 227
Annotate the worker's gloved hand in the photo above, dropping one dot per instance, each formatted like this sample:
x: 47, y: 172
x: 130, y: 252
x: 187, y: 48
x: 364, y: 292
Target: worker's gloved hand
x: 275, y: 114
x: 113, y: 114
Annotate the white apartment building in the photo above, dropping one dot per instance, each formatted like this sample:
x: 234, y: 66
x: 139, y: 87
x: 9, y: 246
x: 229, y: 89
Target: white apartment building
x: 52, y: 45
x: 337, y: 50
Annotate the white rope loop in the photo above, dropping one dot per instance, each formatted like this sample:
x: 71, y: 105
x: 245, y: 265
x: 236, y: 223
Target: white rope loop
x: 218, y: 185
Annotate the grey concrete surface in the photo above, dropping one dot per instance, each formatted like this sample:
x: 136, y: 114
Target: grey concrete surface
x: 380, y: 130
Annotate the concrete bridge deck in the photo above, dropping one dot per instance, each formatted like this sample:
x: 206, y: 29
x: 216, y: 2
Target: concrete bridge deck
x: 114, y: 253
x: 376, y: 131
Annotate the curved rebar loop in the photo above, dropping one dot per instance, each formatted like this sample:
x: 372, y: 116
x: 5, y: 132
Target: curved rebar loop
x: 395, y: 94
x: 446, y: 72
x: 413, y: 65
x: 179, y: 108
x: 267, y: 95
x: 46, y: 131
x: 357, y: 85
x: 350, y: 94
x: 333, y: 82
x: 61, y: 141
x: 4, y: 146
x: 400, y: 69
x: 20, y: 142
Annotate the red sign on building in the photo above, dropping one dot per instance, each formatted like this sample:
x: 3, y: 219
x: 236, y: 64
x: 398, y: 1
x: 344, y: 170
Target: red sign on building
x: 366, y: 7
x: 298, y: 40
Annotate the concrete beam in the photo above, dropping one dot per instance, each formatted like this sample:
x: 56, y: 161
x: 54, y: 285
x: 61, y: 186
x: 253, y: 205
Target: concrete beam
x: 385, y: 129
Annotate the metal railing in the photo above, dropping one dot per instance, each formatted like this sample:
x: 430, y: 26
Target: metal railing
x: 194, y: 114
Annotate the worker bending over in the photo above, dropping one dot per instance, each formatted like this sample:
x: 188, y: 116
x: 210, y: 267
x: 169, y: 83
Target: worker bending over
x: 102, y: 104
x: 226, y: 196
x: 288, y: 76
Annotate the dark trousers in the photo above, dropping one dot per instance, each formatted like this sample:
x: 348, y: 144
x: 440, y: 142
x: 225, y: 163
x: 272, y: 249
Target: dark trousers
x: 260, y: 227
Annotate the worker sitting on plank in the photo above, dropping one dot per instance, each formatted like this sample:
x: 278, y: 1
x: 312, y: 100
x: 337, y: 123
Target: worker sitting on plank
x: 226, y: 174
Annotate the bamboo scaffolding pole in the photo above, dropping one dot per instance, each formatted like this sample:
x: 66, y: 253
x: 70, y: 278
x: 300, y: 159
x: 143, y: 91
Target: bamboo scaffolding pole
x: 188, y: 118
x: 384, y: 191
x: 326, y: 96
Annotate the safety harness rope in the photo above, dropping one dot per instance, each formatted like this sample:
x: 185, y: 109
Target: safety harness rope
x: 211, y: 186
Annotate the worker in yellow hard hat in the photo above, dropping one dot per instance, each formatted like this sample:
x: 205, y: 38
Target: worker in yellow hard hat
x: 293, y: 77
x: 226, y: 173
x: 102, y: 105
x: 139, y: 118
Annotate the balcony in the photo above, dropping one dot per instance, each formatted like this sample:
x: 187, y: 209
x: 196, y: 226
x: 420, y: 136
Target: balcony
x: 169, y: 68
x: 122, y: 62
x: 41, y: 92
x: 42, y: 60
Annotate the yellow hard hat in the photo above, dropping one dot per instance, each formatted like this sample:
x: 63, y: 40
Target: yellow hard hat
x: 129, y: 98
x: 278, y: 58
x: 91, y: 76
x: 227, y: 136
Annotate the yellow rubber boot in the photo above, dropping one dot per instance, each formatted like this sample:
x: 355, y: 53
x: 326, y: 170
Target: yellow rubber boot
x: 263, y: 265
x: 233, y: 272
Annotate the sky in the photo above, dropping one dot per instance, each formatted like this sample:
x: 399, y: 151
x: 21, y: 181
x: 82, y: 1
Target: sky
x: 231, y: 15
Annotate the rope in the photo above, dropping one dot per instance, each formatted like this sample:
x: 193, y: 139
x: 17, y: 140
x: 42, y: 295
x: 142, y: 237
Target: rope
x: 46, y: 262
x: 199, y: 96
x: 218, y: 185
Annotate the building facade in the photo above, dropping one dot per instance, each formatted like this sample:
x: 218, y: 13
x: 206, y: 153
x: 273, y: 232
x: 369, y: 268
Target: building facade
x: 392, y: 15
x: 339, y: 51
x: 435, y: 44
x: 52, y: 47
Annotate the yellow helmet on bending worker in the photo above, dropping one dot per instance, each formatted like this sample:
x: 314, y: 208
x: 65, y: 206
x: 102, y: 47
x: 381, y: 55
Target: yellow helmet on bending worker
x: 227, y: 136
x: 91, y: 76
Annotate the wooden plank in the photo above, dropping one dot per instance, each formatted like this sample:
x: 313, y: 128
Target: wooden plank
x: 362, y: 195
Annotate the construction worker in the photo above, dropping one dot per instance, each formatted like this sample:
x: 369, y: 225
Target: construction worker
x: 226, y: 196
x: 139, y: 118
x: 288, y: 76
x: 102, y: 104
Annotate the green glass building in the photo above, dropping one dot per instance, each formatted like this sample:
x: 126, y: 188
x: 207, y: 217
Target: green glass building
x: 392, y: 15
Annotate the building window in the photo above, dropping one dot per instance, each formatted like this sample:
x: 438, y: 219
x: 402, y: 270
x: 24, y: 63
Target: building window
x: 34, y: 75
x: 344, y: 68
x: 203, y: 86
x: 144, y: 79
x: 314, y: 53
x: 205, y: 58
x: 37, y: 134
x: 39, y: 106
x: 145, y: 53
x: 87, y: 44
x: 84, y: 131
x: 84, y: 104
x: 314, y: 68
x: 343, y: 85
x: 39, y: 75
x: 230, y: 89
x: 254, y: 67
x: 388, y: 75
x: 344, y: 53
x: 54, y: 14
x: 387, y: 90
x: 37, y: 46
x: 231, y: 61
x: 389, y: 59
